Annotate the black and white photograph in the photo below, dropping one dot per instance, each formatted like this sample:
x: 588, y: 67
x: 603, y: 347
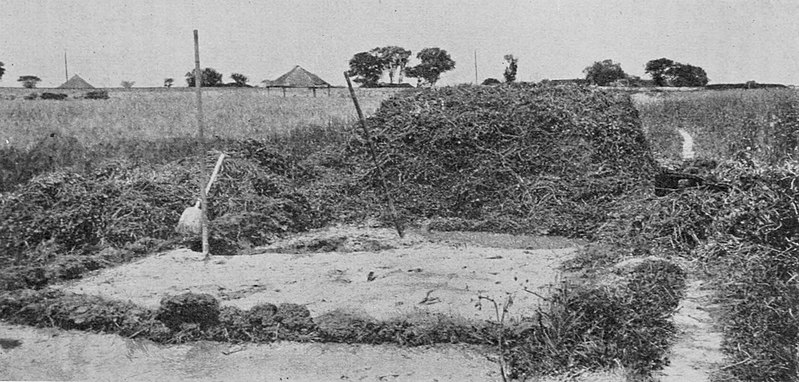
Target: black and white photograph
x: 406, y: 190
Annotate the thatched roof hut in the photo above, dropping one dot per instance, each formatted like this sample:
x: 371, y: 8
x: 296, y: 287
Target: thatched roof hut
x: 76, y: 82
x: 298, y: 78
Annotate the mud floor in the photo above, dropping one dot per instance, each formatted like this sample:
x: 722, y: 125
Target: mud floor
x: 359, y: 269
x: 51, y: 354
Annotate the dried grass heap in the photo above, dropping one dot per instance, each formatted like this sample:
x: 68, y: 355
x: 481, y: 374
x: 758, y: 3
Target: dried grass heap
x: 511, y: 158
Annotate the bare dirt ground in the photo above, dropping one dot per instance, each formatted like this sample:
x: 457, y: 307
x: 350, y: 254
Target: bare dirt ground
x: 362, y: 270
x: 51, y: 354
x: 687, y: 144
x: 697, y: 352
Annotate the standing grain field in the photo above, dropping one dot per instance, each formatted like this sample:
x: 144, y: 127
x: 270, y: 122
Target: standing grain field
x: 759, y: 125
x: 157, y: 114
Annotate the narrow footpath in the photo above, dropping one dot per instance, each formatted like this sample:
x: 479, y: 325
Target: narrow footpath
x: 687, y: 145
x: 696, y: 353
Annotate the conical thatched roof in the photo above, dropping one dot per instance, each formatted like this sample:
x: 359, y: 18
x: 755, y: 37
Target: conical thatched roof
x: 76, y: 83
x: 299, y: 78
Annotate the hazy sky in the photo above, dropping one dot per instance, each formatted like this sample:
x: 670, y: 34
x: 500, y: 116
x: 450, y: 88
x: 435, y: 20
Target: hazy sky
x: 108, y: 41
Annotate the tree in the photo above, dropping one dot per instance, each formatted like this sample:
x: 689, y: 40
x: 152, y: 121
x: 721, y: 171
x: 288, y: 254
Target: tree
x: 367, y: 67
x: 394, y: 60
x: 210, y: 78
x: 127, y: 84
x: 510, y: 69
x: 687, y: 75
x: 666, y: 72
x: 657, y: 69
x: 434, y: 62
x: 2, y: 70
x: 168, y: 82
x: 603, y: 73
x: 239, y: 79
x: 29, y: 82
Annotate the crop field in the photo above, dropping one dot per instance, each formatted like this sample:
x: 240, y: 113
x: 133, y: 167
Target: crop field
x: 148, y: 114
x: 758, y: 124
x: 96, y: 184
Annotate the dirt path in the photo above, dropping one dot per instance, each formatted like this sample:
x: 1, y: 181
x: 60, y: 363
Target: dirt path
x: 697, y: 352
x: 687, y: 144
x: 51, y: 354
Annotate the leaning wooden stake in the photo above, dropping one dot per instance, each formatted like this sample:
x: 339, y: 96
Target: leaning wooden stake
x: 368, y: 137
x: 198, y: 79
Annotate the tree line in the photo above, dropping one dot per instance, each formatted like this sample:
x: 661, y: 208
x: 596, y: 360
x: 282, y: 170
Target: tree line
x: 664, y: 72
x: 368, y: 67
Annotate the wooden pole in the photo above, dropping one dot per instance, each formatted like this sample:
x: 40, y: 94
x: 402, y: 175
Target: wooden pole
x: 476, y: 81
x: 371, y: 146
x: 198, y: 79
x: 284, y: 92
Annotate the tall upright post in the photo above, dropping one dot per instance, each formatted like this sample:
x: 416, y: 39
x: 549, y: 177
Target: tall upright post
x: 476, y: 81
x: 66, y: 68
x: 198, y: 79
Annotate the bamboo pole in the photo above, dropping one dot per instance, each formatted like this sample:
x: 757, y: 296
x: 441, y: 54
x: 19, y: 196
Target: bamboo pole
x: 198, y: 79
x: 371, y: 146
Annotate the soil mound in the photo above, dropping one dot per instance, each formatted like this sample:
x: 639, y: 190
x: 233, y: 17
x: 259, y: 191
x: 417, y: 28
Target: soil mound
x: 511, y: 158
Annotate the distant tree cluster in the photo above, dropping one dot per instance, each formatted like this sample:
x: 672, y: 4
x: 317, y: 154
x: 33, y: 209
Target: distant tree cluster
x: 29, y: 81
x: 666, y: 72
x: 239, y: 80
x: 368, y: 68
x: 510, y: 69
x: 212, y: 78
x: 604, y: 73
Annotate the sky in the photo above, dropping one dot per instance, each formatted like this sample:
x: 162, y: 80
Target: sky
x: 146, y: 41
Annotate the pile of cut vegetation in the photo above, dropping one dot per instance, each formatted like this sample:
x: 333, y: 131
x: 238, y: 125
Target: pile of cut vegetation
x: 62, y: 223
x: 551, y: 160
x: 753, y: 252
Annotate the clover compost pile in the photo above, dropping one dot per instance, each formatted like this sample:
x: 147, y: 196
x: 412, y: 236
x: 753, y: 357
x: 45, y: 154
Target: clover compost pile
x: 550, y: 160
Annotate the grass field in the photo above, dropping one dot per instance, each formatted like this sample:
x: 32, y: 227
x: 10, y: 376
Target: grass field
x: 757, y: 124
x: 151, y: 114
